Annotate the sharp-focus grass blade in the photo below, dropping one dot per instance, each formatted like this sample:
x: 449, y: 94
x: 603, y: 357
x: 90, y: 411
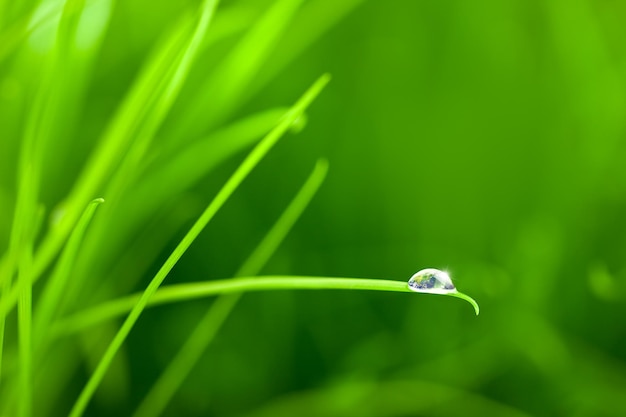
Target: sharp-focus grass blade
x: 190, y: 291
x: 170, y: 174
x: 231, y: 185
x: 170, y: 380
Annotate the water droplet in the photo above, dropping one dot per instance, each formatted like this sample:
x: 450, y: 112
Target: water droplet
x: 432, y: 281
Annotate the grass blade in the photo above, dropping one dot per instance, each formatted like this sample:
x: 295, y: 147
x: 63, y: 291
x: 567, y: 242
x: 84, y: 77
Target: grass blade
x: 20, y: 253
x: 11, y: 294
x: 171, y: 174
x: 24, y: 322
x: 48, y: 304
x: 371, y: 397
x: 167, y: 177
x: 161, y: 102
x: 170, y: 380
x: 39, y: 15
x: 163, y: 98
x: 5, y: 288
x: 219, y: 94
x: 231, y: 185
x: 46, y: 110
x: 113, y: 144
x: 195, y: 290
x: 307, y: 26
x: 24, y: 237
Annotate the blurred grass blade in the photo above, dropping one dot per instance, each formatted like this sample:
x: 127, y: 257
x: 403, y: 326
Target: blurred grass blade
x: 5, y: 288
x: 170, y: 380
x: 46, y: 110
x: 41, y: 15
x: 170, y: 175
x: 47, y: 304
x: 143, y: 250
x: 7, y: 269
x: 21, y: 241
x: 225, y: 192
x: 25, y: 235
x: 176, y: 172
x: 10, y: 297
x: 112, y: 146
x: 228, y: 22
x: 315, y: 18
x: 51, y: 296
x: 163, y: 98
x: 12, y: 36
x: 223, y: 89
x: 390, y: 398
x: 270, y: 243
x: 33, y: 15
x: 163, y: 101
x: 24, y: 318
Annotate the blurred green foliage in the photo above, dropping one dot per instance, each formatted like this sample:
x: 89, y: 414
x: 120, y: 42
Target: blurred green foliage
x: 482, y: 137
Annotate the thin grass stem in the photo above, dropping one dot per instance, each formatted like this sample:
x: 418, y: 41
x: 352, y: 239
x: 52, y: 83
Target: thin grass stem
x: 170, y: 380
x: 196, y: 290
x: 225, y: 192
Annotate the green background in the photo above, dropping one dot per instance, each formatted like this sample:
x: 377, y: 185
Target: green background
x: 486, y: 138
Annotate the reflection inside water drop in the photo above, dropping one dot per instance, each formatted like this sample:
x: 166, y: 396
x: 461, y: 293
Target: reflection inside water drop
x: 432, y: 281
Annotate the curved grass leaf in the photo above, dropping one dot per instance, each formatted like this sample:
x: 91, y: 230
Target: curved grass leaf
x: 191, y: 291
